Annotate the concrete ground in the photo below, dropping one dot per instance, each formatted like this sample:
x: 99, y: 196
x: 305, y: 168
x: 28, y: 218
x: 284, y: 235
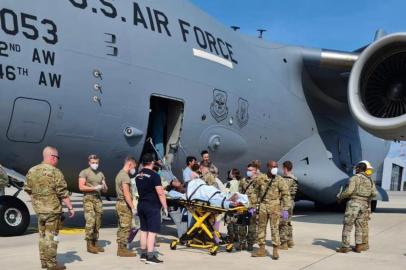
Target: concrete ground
x: 316, y: 235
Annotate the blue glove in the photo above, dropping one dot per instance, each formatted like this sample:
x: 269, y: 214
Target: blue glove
x: 251, y: 211
x: 285, y: 215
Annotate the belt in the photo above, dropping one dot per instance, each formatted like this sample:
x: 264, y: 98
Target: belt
x: 93, y: 195
x: 359, y: 198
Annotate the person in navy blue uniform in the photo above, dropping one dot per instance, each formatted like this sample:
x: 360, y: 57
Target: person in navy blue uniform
x: 150, y: 202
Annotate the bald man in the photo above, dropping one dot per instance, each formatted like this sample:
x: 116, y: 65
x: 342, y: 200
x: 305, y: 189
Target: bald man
x: 47, y: 188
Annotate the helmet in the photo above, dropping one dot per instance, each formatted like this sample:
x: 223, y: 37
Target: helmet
x: 370, y: 169
x: 366, y: 162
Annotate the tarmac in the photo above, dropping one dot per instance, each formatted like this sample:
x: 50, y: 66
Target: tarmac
x: 316, y: 236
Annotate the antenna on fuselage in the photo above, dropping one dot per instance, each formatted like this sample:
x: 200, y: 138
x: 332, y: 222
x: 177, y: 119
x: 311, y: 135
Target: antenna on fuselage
x: 261, y: 32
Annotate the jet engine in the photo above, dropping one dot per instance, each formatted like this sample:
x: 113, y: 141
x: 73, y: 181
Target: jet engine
x: 377, y: 88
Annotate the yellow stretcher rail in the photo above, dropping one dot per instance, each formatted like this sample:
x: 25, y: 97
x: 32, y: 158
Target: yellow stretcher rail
x: 202, y: 233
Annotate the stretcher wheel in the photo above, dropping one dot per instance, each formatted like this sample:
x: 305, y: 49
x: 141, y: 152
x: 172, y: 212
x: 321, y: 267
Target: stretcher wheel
x: 173, y: 244
x: 213, y: 250
x: 229, y: 247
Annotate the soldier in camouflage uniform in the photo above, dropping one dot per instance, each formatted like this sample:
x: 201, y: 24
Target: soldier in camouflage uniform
x: 285, y: 227
x: 273, y: 195
x: 47, y: 188
x: 360, y: 190
x: 92, y: 183
x: 124, y: 206
x: 3, y: 181
x: 248, y: 233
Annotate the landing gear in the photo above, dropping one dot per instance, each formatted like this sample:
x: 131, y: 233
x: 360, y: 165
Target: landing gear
x: 14, y: 216
x: 373, y: 205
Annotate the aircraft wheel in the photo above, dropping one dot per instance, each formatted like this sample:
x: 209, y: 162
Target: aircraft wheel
x: 14, y: 216
x: 173, y: 244
x: 229, y: 247
x: 213, y: 250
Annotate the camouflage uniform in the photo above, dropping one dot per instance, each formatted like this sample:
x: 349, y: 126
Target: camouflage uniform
x: 365, y: 227
x: 47, y: 187
x: 275, y: 198
x: 248, y: 233
x: 124, y: 213
x: 360, y: 190
x: 3, y: 181
x: 285, y: 227
x: 92, y: 203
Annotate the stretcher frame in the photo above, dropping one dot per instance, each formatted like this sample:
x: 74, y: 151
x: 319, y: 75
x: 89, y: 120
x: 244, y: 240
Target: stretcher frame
x: 202, y: 233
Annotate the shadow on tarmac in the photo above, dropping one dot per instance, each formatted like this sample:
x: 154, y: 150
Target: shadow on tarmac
x: 327, y: 243
x: 68, y: 257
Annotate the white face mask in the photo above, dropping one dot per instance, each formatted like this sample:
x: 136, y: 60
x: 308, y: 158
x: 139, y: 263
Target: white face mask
x: 250, y: 174
x: 132, y: 171
x: 274, y: 171
x: 94, y: 166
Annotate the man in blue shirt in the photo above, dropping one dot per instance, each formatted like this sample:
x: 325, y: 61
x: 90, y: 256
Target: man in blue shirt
x: 151, y: 200
x: 187, y: 172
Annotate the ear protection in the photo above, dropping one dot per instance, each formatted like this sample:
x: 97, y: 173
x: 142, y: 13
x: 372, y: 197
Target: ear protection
x: 369, y: 172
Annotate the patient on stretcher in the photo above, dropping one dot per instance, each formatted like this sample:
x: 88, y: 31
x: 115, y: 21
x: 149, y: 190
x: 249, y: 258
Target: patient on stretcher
x: 197, y: 189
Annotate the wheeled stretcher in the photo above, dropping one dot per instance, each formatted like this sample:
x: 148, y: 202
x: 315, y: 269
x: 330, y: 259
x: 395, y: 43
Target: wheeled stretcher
x: 202, y: 233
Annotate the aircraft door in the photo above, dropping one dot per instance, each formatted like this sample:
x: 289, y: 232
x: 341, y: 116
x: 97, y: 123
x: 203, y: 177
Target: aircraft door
x: 29, y: 120
x: 164, y: 127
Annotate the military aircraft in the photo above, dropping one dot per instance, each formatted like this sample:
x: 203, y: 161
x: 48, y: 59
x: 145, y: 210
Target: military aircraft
x: 116, y: 78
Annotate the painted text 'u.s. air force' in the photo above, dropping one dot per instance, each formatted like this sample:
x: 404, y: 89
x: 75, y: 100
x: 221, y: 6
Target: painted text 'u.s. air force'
x: 157, y: 21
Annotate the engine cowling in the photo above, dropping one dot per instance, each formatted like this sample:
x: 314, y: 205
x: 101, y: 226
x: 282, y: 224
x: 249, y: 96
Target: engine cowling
x: 377, y: 88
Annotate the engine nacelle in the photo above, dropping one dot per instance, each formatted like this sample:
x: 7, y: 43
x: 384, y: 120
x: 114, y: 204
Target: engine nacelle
x: 377, y: 88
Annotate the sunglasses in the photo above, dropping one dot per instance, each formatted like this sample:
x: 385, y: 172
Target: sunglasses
x: 55, y: 156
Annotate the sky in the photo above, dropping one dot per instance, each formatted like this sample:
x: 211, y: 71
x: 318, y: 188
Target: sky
x: 340, y: 24
x: 332, y: 24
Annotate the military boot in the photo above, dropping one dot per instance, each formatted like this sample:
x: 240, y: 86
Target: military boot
x: 261, y: 252
x: 358, y: 248
x: 343, y: 250
x: 122, y: 251
x: 275, y: 253
x: 250, y: 247
x: 98, y: 248
x: 291, y: 244
x: 91, y: 248
x: 284, y: 246
x: 242, y: 246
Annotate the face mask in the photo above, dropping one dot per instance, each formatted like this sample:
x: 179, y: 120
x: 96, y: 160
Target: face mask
x: 354, y: 171
x: 94, y: 166
x: 369, y: 172
x: 132, y: 171
x: 274, y: 171
x: 250, y: 174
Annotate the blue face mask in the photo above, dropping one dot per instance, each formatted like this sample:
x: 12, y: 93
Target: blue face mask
x: 159, y: 173
x: 250, y: 174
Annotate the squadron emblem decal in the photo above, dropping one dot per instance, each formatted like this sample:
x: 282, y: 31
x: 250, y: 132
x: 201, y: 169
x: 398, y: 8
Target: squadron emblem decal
x: 242, y: 112
x: 218, y: 107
